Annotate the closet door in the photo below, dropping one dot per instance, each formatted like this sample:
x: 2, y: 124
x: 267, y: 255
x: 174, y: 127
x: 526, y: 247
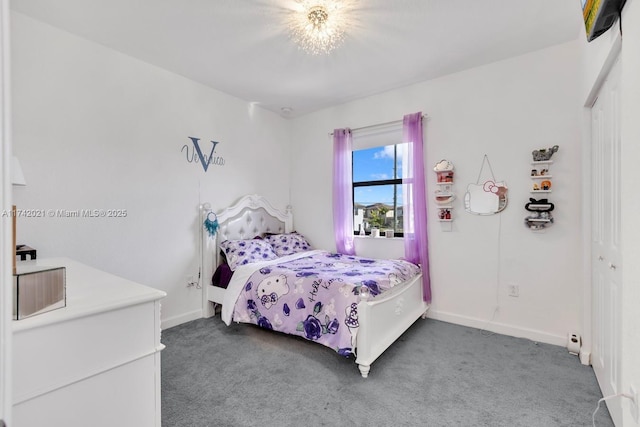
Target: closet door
x: 605, y: 253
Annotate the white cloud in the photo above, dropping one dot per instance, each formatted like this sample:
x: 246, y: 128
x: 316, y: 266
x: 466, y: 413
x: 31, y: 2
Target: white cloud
x: 379, y: 176
x: 385, y: 153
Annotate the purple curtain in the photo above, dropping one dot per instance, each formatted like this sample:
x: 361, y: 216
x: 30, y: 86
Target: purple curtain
x: 414, y: 190
x: 342, y: 202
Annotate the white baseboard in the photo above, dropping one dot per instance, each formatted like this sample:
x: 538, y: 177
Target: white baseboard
x: 499, y: 328
x: 457, y: 319
x: 178, y: 320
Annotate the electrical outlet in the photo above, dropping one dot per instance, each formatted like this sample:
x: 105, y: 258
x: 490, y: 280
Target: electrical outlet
x: 191, y: 281
x: 513, y: 290
x: 634, y: 404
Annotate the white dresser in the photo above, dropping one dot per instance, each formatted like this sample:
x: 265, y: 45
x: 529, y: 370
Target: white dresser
x: 95, y: 362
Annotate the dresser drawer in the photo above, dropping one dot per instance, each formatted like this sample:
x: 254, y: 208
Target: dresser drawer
x: 51, y: 357
x: 123, y: 397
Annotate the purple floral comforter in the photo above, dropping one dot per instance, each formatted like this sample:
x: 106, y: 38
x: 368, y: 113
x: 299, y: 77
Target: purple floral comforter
x: 316, y: 295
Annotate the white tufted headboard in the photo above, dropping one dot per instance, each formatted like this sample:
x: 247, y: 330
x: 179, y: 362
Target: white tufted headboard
x: 251, y: 216
x: 247, y: 224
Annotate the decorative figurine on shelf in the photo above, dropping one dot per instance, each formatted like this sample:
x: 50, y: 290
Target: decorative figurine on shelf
x: 538, y: 220
x: 544, y: 154
x: 444, y: 171
x: 541, y: 216
x: 546, y: 185
x: 536, y: 187
x: 444, y: 214
x: 534, y: 172
x: 446, y: 176
x: 543, y: 172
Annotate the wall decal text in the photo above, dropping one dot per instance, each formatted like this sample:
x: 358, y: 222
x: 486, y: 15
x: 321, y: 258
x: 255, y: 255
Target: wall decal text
x: 195, y: 155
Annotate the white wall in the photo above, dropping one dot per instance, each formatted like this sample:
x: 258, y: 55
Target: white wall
x: 95, y: 129
x: 504, y: 110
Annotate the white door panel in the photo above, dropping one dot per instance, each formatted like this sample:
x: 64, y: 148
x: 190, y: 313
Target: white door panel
x: 605, y: 239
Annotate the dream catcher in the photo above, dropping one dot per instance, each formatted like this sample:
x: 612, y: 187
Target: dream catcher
x: 211, y: 223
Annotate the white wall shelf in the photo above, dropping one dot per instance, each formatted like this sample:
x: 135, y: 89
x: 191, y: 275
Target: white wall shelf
x: 540, y: 216
x: 444, y: 196
x: 540, y: 206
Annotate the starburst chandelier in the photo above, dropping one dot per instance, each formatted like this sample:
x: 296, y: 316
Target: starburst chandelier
x: 318, y: 26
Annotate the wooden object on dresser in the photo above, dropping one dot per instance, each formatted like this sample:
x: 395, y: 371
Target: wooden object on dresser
x: 95, y: 362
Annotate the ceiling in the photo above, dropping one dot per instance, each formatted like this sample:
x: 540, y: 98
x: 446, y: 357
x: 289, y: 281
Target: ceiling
x: 242, y: 47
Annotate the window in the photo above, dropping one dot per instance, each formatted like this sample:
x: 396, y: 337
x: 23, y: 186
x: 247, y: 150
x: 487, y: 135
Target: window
x: 377, y: 189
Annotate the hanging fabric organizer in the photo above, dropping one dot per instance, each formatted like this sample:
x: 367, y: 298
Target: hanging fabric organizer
x: 486, y: 196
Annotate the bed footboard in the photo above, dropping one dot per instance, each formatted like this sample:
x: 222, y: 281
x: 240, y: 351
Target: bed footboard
x: 383, y: 320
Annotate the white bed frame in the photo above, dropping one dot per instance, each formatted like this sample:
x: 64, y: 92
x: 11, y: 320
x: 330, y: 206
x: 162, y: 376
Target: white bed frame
x: 382, y: 318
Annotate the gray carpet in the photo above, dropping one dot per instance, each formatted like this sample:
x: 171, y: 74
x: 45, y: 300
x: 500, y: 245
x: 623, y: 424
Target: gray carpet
x: 437, y: 374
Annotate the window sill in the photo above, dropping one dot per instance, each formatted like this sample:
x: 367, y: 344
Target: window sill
x: 376, y: 238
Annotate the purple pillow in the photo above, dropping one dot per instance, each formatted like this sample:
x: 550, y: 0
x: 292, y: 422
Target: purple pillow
x: 287, y: 244
x: 241, y: 252
x: 222, y: 276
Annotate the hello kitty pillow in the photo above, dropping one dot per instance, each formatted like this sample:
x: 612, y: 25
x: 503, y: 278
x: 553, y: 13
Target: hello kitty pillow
x: 241, y: 252
x: 287, y: 244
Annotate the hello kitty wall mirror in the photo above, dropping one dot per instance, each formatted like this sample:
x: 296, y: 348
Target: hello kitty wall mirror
x: 486, y: 196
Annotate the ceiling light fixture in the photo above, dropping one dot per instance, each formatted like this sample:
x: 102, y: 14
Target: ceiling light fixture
x: 286, y: 111
x: 318, y: 26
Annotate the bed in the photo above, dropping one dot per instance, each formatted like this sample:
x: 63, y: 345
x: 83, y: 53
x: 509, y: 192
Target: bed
x: 300, y: 291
